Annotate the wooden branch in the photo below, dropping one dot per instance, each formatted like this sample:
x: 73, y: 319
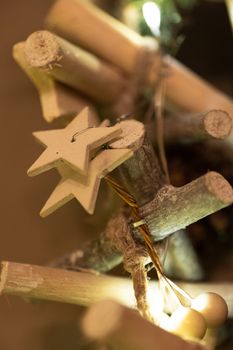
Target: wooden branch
x: 171, y: 210
x: 128, y: 50
x: 99, y: 254
x: 141, y: 175
x: 122, y: 328
x: 187, y: 92
x: 75, y: 67
x: 181, y: 260
x: 84, y: 288
x: 43, y: 283
x: 215, y: 124
x: 57, y: 100
x: 175, y: 208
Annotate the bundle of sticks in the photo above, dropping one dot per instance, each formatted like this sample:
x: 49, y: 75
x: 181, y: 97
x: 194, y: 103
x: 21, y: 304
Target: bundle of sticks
x: 87, y: 58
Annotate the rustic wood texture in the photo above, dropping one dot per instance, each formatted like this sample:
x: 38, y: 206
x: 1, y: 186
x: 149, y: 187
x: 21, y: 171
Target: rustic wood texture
x: 181, y: 261
x: 85, y: 287
x: 175, y: 208
x: 43, y: 283
x: 75, y: 67
x: 127, y: 50
x: 122, y: 328
x: 141, y: 175
x: 57, y: 100
x: 100, y: 254
x: 84, y: 188
x: 72, y: 145
x: 187, y: 92
x: 215, y: 124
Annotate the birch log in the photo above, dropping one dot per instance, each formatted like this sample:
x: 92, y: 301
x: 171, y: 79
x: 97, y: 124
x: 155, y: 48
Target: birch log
x: 85, y: 288
x: 88, y: 26
x: 211, y: 125
x: 187, y: 92
x: 57, y: 100
x: 75, y: 67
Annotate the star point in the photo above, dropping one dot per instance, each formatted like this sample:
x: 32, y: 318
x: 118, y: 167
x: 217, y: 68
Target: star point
x: 72, y: 145
x: 84, y: 189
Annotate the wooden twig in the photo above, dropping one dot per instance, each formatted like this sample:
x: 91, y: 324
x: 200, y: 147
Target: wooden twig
x: 128, y: 50
x: 75, y: 67
x: 141, y: 175
x: 175, y: 208
x: 187, y: 92
x: 57, y: 100
x: 215, y: 124
x: 43, y: 283
x: 193, y: 201
x: 171, y: 210
x: 181, y: 261
x: 85, y: 287
x: 122, y: 328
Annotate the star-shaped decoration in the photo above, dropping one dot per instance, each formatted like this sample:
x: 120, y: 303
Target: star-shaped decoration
x: 84, y: 188
x: 72, y: 145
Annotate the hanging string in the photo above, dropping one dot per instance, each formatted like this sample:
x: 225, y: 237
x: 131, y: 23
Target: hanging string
x: 168, y: 288
x: 158, y: 105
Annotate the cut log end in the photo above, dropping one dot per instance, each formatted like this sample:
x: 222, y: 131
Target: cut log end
x: 218, y: 124
x: 42, y: 49
x: 219, y: 187
x: 98, y: 327
x: 133, y: 133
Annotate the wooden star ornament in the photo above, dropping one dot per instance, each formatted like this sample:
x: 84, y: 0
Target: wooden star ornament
x: 84, y: 188
x: 72, y: 145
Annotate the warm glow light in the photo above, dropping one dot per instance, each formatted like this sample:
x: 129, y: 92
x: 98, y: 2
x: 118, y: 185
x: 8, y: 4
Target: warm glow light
x: 156, y: 304
x: 151, y: 13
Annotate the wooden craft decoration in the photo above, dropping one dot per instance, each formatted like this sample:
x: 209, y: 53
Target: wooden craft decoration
x: 116, y: 68
x: 84, y: 188
x: 76, y: 153
x: 71, y: 145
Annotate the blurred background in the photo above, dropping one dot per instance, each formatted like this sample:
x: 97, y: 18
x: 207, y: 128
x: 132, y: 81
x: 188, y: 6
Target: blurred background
x: 203, y: 42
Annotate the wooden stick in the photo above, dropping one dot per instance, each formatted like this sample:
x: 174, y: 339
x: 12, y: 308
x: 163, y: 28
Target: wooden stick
x: 175, y: 208
x: 75, y: 67
x: 193, y: 201
x: 122, y: 328
x: 43, y: 283
x: 181, y: 261
x: 99, y: 254
x: 141, y: 175
x: 187, y: 92
x: 78, y: 21
x: 57, y: 101
x: 84, y: 288
x: 215, y: 124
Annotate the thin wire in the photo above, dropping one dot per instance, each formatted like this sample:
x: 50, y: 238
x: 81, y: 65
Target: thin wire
x: 165, y: 284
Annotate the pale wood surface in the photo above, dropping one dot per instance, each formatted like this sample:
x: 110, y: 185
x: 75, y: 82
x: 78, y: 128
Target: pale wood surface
x: 214, y: 124
x: 188, y: 92
x: 84, y: 287
x: 75, y: 67
x: 96, y: 31
x: 57, y: 101
x: 72, y: 145
x: 84, y: 188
